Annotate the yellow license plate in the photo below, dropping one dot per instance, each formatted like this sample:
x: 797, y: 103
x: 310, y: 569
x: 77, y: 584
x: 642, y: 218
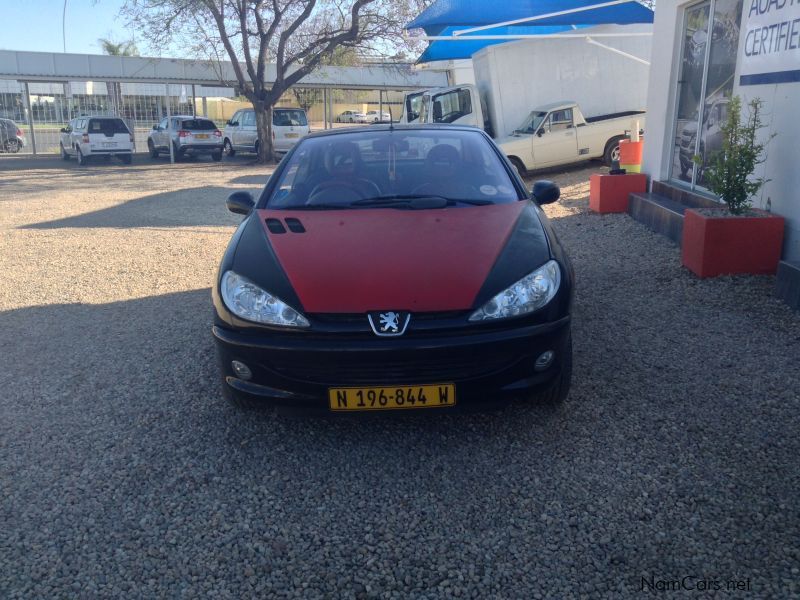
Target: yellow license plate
x: 292, y: 135
x: 201, y: 136
x: 433, y: 395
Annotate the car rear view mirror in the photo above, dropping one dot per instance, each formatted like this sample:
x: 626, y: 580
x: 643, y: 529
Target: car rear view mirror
x: 540, y: 133
x: 240, y: 203
x: 545, y: 192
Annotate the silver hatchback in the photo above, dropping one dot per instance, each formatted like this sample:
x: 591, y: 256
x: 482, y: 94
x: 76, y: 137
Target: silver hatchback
x: 188, y: 135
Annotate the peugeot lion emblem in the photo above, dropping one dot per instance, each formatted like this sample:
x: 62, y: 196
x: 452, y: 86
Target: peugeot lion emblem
x: 389, y: 323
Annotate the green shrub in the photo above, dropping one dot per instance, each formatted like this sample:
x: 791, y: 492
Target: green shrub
x: 729, y: 171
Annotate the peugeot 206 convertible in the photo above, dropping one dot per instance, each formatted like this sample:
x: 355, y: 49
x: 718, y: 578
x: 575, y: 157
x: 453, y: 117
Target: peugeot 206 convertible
x: 394, y: 268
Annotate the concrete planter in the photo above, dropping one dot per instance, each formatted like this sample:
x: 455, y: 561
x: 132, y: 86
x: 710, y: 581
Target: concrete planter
x: 718, y: 243
x: 609, y: 193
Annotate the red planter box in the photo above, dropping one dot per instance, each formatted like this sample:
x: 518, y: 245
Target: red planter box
x: 726, y: 245
x: 609, y: 193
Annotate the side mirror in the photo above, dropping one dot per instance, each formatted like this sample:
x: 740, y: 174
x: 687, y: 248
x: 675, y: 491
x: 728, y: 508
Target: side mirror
x: 240, y: 203
x: 540, y: 133
x: 233, y: 123
x: 545, y: 192
x: 64, y: 130
x: 155, y: 127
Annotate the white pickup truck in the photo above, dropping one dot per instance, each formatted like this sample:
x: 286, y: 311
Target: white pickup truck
x: 558, y: 134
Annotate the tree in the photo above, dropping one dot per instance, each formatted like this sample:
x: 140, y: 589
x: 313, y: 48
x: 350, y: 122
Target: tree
x: 292, y: 36
x: 113, y: 48
x: 307, y: 97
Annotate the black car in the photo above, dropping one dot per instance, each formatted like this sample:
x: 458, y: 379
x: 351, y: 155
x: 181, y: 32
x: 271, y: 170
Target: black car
x: 394, y: 267
x: 12, y: 139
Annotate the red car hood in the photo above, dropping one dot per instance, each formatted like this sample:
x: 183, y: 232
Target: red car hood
x: 354, y: 261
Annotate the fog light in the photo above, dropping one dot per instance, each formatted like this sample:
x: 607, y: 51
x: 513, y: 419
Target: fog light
x: 545, y: 360
x: 242, y: 370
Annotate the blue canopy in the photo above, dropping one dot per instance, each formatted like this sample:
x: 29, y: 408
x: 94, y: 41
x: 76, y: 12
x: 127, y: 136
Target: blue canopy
x: 462, y: 47
x: 444, y: 17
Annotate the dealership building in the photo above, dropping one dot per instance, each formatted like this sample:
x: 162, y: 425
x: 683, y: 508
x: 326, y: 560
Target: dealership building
x: 704, y: 53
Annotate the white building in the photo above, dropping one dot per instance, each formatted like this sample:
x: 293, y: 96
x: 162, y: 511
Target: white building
x: 703, y: 53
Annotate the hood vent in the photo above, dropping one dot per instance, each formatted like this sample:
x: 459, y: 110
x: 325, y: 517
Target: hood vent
x: 295, y: 225
x: 275, y: 226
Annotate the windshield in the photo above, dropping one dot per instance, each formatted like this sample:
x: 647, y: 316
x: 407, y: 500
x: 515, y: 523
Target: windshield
x: 198, y: 125
x: 532, y: 123
x: 432, y: 168
x: 287, y: 118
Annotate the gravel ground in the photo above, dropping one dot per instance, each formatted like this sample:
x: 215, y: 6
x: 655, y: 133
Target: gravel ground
x: 125, y: 475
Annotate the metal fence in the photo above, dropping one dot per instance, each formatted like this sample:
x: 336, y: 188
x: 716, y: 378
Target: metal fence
x: 38, y: 110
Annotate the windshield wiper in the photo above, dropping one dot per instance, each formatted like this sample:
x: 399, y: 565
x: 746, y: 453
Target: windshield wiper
x: 394, y: 199
x: 407, y: 201
x: 317, y: 207
x: 453, y: 201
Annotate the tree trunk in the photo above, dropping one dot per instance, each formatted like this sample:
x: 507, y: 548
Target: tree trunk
x: 264, y: 123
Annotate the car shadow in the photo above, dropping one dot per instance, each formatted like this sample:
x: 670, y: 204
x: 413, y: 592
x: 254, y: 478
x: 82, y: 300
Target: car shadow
x: 192, y: 207
x: 259, y: 180
x: 155, y: 357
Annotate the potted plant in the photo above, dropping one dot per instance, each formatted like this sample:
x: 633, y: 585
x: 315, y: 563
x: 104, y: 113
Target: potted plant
x: 737, y: 238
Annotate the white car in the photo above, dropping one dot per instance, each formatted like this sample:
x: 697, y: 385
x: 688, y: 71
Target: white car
x: 374, y: 116
x: 289, y: 125
x: 90, y: 136
x: 351, y: 116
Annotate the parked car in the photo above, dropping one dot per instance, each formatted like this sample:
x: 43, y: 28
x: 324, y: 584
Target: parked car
x: 288, y: 126
x: 714, y: 116
x: 558, y: 134
x: 89, y: 136
x: 351, y: 116
x: 373, y: 116
x: 12, y: 138
x: 401, y: 267
x: 188, y: 135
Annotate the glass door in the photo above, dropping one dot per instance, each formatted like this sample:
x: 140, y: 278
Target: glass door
x: 690, y: 90
x: 705, y: 86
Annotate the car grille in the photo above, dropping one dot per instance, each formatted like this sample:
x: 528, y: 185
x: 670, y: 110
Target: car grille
x: 361, y: 318
x: 372, y: 368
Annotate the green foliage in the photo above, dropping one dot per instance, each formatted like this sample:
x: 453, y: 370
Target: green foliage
x: 113, y: 48
x: 729, y: 172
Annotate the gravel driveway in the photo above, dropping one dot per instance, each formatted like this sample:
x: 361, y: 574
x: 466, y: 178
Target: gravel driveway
x: 124, y: 474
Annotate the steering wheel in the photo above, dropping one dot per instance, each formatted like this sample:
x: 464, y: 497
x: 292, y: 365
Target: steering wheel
x: 350, y: 189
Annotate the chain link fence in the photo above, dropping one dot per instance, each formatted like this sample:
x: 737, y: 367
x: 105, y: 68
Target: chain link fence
x: 32, y: 114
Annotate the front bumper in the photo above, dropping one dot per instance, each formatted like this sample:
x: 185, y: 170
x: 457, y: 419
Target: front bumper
x: 485, y: 366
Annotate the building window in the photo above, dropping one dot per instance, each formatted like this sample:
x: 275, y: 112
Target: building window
x: 705, y: 86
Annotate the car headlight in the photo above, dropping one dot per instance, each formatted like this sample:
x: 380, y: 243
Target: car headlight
x: 530, y: 293
x: 248, y: 301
